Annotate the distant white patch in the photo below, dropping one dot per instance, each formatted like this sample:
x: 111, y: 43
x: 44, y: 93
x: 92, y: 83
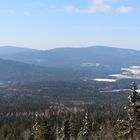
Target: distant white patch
x: 105, y: 80
x: 120, y: 76
x: 128, y: 73
x: 118, y: 90
x: 115, y: 90
x: 135, y: 67
x: 89, y: 64
x: 97, y: 64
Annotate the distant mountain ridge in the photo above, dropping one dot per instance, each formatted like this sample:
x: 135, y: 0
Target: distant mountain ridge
x: 14, y: 49
x: 73, y: 57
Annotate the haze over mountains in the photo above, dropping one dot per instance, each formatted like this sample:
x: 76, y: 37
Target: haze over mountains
x: 64, y: 63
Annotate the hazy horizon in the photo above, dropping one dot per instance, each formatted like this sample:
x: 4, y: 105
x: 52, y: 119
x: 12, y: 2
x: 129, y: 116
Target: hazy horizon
x: 58, y: 24
x: 41, y: 49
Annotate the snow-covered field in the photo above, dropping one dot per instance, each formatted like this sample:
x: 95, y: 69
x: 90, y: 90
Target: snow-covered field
x: 132, y: 72
x: 104, y: 80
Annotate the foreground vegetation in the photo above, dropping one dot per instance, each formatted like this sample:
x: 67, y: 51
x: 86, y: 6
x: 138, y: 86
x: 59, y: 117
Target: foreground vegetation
x: 69, y: 110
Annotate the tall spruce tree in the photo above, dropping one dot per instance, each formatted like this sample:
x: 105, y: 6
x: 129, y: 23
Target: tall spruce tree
x: 86, y: 129
x: 74, y: 127
x: 58, y: 133
x: 130, y: 127
x: 37, y: 130
x: 66, y: 130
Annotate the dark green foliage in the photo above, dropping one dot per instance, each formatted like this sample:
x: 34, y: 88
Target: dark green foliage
x: 60, y: 116
x: 66, y: 130
x: 75, y: 126
x: 86, y: 129
x: 130, y: 127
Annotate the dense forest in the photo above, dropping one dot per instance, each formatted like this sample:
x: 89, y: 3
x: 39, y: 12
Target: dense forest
x: 68, y: 110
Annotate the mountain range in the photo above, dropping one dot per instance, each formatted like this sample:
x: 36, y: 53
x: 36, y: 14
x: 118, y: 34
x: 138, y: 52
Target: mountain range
x: 73, y: 57
x: 64, y: 63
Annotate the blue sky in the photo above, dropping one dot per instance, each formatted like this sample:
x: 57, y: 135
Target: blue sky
x: 46, y: 24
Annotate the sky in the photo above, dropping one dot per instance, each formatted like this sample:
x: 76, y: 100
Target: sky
x: 47, y: 24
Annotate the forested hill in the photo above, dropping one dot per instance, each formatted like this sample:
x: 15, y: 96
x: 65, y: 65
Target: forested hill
x: 71, y: 57
x: 13, y: 71
x: 17, y: 71
x: 22, y: 64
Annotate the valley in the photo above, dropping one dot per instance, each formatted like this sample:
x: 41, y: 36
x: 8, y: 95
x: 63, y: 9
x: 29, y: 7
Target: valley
x: 55, y: 87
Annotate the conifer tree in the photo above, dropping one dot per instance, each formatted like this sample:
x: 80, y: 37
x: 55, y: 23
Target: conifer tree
x: 130, y: 128
x: 74, y: 127
x: 49, y: 132
x: 86, y: 129
x: 66, y: 130
x: 58, y: 133
x: 37, y: 130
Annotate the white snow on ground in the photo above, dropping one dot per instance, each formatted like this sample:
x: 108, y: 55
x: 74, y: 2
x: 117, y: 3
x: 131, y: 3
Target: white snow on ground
x: 132, y: 72
x: 104, y: 80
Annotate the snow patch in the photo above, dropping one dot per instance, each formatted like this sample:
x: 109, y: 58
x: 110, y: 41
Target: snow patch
x: 104, y: 80
x: 89, y: 64
x: 128, y: 73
